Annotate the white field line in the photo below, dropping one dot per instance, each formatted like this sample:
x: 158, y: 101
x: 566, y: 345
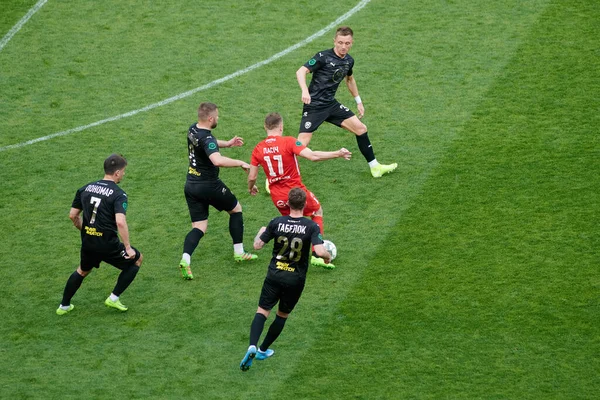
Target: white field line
x: 20, y: 24
x: 180, y: 96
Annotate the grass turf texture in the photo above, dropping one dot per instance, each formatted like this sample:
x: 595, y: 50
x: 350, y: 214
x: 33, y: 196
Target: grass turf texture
x: 471, y: 272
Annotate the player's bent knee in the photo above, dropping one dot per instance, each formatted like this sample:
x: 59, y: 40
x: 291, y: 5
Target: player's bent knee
x: 236, y: 209
x: 139, y: 261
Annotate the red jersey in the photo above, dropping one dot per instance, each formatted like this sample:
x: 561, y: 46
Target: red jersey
x: 277, y: 156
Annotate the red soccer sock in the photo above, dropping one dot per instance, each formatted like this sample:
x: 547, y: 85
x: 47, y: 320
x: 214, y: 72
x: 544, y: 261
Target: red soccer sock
x: 319, y: 221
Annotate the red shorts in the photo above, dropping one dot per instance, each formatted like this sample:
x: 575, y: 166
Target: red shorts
x: 280, y: 199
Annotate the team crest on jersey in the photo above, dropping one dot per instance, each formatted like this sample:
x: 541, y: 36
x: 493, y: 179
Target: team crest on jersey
x: 281, y: 203
x: 308, y: 124
x: 312, y: 61
x: 212, y: 146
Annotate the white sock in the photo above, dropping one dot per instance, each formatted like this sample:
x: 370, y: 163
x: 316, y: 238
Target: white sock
x: 238, y: 248
x: 113, y: 297
x: 187, y: 258
x: 373, y: 163
x: 64, y: 307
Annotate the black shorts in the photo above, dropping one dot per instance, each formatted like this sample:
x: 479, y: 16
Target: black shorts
x: 313, y: 117
x: 287, y: 294
x: 114, y: 256
x: 201, y: 195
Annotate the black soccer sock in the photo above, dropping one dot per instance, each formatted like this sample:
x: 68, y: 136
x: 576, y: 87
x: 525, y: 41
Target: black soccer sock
x: 236, y: 227
x: 258, y: 324
x: 364, y: 144
x: 125, y: 278
x: 273, y: 333
x: 73, y: 283
x: 191, y: 240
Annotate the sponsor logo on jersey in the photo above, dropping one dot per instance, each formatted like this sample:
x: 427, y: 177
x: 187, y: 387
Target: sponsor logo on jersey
x: 298, y: 143
x: 192, y: 171
x: 125, y: 206
x: 312, y: 61
x: 92, y: 231
x: 212, y: 146
x: 284, y: 266
x: 308, y: 124
x: 332, y: 64
x: 305, y: 114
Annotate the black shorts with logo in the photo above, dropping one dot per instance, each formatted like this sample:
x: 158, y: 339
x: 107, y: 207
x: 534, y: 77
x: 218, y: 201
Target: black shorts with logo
x: 287, y: 294
x: 200, y: 195
x: 313, y: 117
x: 115, y: 256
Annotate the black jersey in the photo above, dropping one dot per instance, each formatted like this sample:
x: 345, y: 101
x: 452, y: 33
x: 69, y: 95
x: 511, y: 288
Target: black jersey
x: 328, y: 71
x: 201, y: 144
x: 100, y: 201
x: 292, y: 247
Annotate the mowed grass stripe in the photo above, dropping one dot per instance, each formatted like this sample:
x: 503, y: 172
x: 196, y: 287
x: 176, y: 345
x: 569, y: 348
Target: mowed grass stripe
x: 441, y: 105
x: 494, y: 293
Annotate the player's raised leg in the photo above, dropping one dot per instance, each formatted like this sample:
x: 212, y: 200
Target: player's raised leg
x: 354, y: 125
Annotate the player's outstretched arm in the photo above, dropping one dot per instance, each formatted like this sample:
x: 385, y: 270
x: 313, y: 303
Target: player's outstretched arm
x: 235, y: 141
x: 219, y: 160
x: 324, y: 155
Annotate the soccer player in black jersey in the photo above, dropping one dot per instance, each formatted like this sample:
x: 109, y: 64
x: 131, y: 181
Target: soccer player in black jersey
x: 104, y: 205
x: 329, y: 68
x: 203, y: 188
x: 284, y: 283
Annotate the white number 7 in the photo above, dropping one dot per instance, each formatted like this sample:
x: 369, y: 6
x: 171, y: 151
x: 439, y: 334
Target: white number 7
x: 96, y: 202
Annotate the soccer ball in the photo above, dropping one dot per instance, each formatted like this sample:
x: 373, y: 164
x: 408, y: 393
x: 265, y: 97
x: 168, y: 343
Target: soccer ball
x: 331, y: 249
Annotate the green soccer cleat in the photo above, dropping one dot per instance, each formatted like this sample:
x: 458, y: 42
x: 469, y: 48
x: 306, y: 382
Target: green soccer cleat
x: 60, y: 311
x: 319, y: 262
x: 245, y: 256
x: 379, y: 170
x: 115, y: 304
x: 186, y: 271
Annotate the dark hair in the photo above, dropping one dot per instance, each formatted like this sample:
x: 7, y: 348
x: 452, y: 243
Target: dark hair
x: 344, y: 31
x: 272, y: 121
x: 113, y: 163
x: 205, y: 110
x: 297, y: 199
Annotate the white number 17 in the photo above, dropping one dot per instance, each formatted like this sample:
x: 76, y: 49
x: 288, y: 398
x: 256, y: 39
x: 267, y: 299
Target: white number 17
x: 279, y: 160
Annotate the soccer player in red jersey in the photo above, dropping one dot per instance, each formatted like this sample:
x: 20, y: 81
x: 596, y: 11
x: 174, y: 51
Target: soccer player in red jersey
x: 277, y: 156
